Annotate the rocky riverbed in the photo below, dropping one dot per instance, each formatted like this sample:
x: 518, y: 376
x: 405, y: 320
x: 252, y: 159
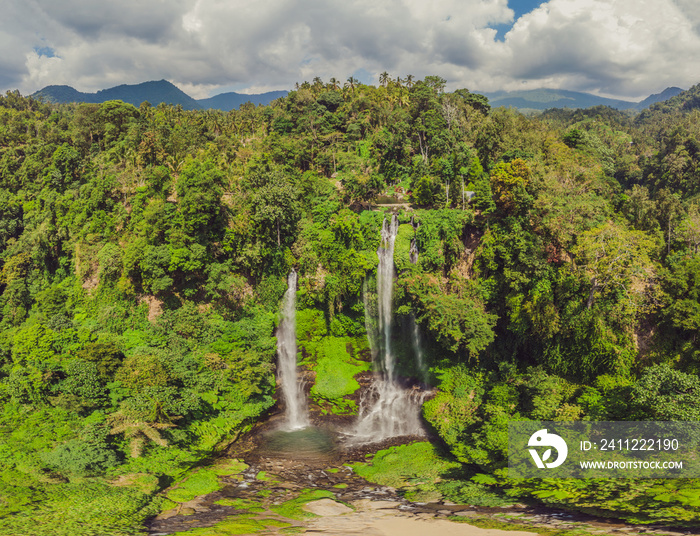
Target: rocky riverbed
x: 280, y: 492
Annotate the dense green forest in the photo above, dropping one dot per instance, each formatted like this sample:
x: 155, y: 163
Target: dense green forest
x: 144, y: 254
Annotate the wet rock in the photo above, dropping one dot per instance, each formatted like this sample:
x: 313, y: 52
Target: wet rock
x: 425, y: 515
x: 167, y: 514
x: 327, y: 507
x: 196, y: 504
x: 368, y: 504
x: 467, y: 513
x: 288, y: 485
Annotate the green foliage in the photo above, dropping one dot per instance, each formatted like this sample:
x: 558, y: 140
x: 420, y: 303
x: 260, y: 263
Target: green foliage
x: 454, y: 410
x: 458, y: 322
x: 198, y: 190
x: 509, y: 183
x: 665, y: 394
x: 116, y: 511
x: 105, y: 355
x: 82, y: 457
x: 144, y: 253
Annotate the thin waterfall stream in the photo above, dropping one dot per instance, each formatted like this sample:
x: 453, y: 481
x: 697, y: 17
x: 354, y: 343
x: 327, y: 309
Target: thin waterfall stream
x: 415, y: 331
x: 387, y: 409
x: 296, y: 411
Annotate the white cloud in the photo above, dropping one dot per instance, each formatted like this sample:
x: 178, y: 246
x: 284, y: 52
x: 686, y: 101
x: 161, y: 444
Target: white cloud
x: 617, y: 47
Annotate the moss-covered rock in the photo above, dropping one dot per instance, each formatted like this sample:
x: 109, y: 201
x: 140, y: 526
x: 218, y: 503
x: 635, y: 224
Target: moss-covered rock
x: 402, y: 247
x: 336, y: 360
x: 230, y: 527
x: 202, y: 482
x: 416, y: 468
x: 336, y: 369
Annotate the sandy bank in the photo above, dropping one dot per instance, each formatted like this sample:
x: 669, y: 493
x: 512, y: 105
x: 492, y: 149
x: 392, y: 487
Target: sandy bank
x: 371, y: 518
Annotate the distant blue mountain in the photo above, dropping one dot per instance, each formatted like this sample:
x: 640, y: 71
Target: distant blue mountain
x: 543, y: 99
x: 666, y: 94
x: 229, y: 101
x: 154, y: 92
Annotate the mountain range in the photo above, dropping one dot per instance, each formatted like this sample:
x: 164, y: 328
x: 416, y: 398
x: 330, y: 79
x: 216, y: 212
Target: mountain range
x: 155, y: 92
x: 159, y: 91
x: 542, y: 99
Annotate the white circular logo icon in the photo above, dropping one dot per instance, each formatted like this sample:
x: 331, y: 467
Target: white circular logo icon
x: 543, y: 439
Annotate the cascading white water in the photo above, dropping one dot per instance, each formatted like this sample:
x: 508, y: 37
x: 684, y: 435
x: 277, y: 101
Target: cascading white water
x: 418, y: 349
x: 385, y: 291
x: 417, y: 345
x: 413, y: 252
x: 387, y: 410
x: 370, y: 327
x: 296, y: 412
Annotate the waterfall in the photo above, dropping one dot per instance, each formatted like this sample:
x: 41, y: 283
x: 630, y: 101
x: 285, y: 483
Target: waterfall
x: 387, y: 410
x: 413, y: 252
x: 418, y: 351
x: 370, y: 327
x: 296, y: 413
x: 385, y: 291
x: 415, y: 332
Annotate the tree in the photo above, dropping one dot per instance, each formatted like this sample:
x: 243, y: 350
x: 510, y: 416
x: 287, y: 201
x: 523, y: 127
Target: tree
x: 459, y: 323
x: 384, y: 79
x: 665, y: 394
x: 276, y: 209
x: 436, y: 83
x: 479, y: 102
x: 199, y: 199
x: 428, y: 122
x: 616, y: 260
x: 138, y: 432
x: 689, y: 229
x: 640, y: 209
x: 509, y: 182
x: 669, y: 211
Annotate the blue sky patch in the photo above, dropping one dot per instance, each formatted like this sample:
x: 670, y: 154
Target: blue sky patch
x: 45, y: 51
x: 520, y: 7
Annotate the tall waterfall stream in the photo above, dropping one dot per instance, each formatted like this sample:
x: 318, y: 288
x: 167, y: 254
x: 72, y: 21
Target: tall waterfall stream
x: 387, y: 409
x: 296, y: 412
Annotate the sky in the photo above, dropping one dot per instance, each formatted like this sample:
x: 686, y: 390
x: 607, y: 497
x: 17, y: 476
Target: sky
x: 617, y: 48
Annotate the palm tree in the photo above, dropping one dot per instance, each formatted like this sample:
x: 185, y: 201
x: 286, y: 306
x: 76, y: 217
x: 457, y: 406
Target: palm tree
x: 409, y: 80
x: 352, y: 82
x: 334, y: 83
x: 384, y: 79
x: 403, y: 99
x: 137, y: 432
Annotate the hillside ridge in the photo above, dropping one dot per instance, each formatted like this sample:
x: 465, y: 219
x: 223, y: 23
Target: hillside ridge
x: 154, y: 92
